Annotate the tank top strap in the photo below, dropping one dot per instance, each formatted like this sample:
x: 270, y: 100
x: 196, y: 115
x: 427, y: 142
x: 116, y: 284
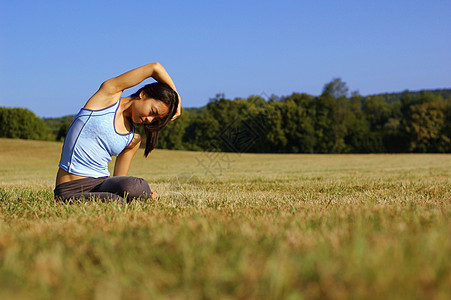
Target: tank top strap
x: 109, y: 109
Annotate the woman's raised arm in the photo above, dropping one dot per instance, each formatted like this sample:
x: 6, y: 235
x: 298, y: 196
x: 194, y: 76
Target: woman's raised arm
x: 136, y: 76
x: 112, y: 88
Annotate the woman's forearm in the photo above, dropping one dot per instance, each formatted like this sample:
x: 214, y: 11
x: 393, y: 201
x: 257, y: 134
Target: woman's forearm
x: 161, y: 75
x: 138, y: 75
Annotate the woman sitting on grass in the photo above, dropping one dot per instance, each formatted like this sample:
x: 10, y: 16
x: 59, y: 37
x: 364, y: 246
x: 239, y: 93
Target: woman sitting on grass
x: 104, y: 128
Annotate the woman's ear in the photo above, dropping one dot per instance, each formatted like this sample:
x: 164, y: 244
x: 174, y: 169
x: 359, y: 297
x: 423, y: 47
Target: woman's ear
x: 142, y: 95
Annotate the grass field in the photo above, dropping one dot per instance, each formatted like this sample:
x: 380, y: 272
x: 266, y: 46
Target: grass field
x: 231, y: 226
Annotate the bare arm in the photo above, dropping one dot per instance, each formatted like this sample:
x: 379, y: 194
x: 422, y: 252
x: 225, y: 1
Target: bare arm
x: 136, y: 76
x: 124, y: 159
x: 112, y: 88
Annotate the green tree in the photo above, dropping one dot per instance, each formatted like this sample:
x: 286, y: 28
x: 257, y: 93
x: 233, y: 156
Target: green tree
x: 336, y: 88
x: 64, y: 128
x: 377, y: 112
x: 275, y: 137
x: 297, y: 112
x: 427, y: 124
x: 171, y: 137
x: 330, y: 125
x: 21, y: 123
x: 357, y: 127
x: 203, y: 133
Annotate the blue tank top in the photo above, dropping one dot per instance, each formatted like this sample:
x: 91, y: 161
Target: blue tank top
x: 91, y: 141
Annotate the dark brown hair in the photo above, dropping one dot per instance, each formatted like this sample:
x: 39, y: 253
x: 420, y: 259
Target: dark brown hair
x: 160, y: 92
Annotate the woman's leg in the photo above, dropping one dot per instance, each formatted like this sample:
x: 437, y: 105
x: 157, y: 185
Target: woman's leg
x: 102, y: 196
x: 84, y: 189
x: 125, y: 186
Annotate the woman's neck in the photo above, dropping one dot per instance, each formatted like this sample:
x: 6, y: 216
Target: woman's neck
x: 126, y: 107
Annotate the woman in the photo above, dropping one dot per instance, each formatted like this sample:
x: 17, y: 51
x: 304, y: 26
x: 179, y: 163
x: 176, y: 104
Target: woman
x: 104, y: 128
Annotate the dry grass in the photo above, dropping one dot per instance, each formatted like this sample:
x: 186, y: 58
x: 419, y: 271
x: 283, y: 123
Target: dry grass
x: 253, y: 226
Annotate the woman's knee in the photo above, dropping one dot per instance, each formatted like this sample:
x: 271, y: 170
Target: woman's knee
x: 126, y: 186
x: 135, y: 187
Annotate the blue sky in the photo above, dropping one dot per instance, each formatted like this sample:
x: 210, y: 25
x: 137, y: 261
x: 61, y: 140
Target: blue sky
x: 55, y: 54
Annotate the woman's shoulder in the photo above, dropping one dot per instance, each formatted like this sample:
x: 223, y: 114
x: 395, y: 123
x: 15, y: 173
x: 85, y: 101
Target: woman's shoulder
x: 102, y: 99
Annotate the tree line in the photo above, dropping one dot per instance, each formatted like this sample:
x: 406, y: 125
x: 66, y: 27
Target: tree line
x: 333, y: 122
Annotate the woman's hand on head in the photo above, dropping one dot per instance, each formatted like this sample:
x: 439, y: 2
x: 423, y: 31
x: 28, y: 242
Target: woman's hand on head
x: 179, y: 110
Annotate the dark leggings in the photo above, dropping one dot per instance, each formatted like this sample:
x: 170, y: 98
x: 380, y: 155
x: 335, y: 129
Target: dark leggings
x: 115, y: 188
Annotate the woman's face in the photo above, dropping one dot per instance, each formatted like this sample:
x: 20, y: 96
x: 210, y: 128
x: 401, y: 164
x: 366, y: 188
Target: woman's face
x: 146, y: 110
